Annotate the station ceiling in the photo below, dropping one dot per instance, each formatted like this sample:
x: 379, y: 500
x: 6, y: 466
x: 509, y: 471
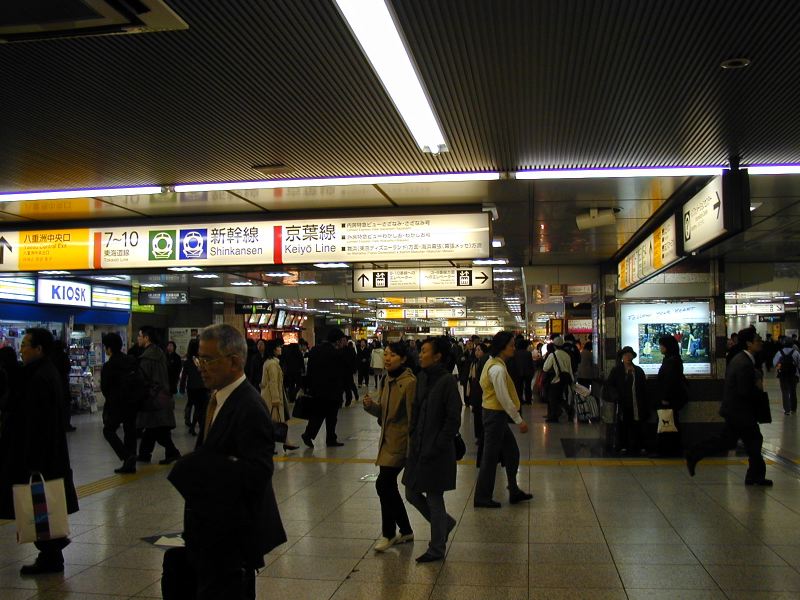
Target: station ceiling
x: 516, y: 85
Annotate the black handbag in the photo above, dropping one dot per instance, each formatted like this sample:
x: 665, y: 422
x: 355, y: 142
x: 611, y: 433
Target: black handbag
x: 280, y: 430
x: 763, y: 412
x: 460, y: 446
x: 303, y: 406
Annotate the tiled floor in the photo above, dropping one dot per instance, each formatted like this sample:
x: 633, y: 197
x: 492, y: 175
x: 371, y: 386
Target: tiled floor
x: 636, y: 529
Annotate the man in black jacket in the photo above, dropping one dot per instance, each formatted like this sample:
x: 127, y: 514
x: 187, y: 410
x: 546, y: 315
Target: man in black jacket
x: 33, y: 439
x: 325, y: 377
x: 120, y: 406
x: 743, y: 388
x: 231, y: 519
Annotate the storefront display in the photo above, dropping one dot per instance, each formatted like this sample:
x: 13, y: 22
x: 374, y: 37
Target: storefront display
x: 688, y: 322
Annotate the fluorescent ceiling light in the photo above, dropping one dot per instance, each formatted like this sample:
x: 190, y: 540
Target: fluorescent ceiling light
x: 306, y: 282
x: 53, y: 272
x: 206, y: 276
x: 504, y: 278
x: 772, y: 169
x: 608, y: 173
x: 490, y: 261
x: 63, y: 194
x: 504, y: 270
x: 379, y: 37
x: 108, y: 278
x: 281, y: 274
x: 332, y: 265
x: 151, y: 285
x: 184, y: 269
x: 498, y: 242
x: 241, y: 283
x: 340, y: 181
x: 328, y: 301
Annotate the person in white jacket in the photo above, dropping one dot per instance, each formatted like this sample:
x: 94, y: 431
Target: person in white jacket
x: 376, y: 362
x: 558, y: 365
x: 272, y: 387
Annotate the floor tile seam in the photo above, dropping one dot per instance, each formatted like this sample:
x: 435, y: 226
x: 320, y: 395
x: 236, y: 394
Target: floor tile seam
x: 683, y: 540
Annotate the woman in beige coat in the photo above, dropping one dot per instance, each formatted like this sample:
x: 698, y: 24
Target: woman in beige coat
x: 272, y: 387
x: 393, y: 410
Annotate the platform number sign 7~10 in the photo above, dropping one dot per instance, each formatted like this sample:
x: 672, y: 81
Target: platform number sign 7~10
x: 127, y: 238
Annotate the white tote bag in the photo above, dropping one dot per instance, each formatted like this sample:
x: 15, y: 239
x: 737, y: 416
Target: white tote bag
x: 40, y: 508
x: 666, y: 421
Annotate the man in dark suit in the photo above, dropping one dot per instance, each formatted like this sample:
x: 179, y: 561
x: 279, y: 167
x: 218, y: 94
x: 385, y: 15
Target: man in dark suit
x: 326, y: 374
x: 231, y: 517
x: 743, y: 388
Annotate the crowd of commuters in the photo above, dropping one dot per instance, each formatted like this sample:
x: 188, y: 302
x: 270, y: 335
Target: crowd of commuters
x: 238, y: 390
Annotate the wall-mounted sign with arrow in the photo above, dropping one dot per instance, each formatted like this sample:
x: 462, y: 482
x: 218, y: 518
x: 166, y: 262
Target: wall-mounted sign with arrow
x: 423, y: 279
x: 704, y: 216
x: 4, y: 245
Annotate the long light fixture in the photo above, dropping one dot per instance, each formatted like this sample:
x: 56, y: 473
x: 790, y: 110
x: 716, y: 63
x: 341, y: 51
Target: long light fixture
x: 335, y: 265
x: 64, y: 194
x: 340, y: 181
x: 379, y: 37
x: 772, y: 169
x: 611, y: 173
x: 490, y: 261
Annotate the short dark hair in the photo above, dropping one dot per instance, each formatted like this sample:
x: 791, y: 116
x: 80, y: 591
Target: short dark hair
x: 113, y: 341
x: 41, y: 338
x: 671, y: 344
x: 569, y: 338
x: 270, y: 346
x: 499, y: 342
x: 334, y: 335
x: 149, y: 332
x: 441, y: 345
x: 399, y: 348
x: 747, y: 336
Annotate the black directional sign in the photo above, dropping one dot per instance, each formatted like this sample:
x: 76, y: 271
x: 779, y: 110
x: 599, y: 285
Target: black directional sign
x: 4, y: 245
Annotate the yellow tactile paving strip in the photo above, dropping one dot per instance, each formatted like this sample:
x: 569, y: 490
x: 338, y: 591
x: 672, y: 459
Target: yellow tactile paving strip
x: 107, y: 483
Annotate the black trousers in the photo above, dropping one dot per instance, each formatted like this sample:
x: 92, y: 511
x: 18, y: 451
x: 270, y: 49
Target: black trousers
x: 162, y: 435
x: 329, y: 414
x: 749, y: 433
x: 393, y: 510
x: 556, y: 400
x: 350, y: 389
x: 789, y: 394
x: 50, y: 551
x: 497, y: 441
x: 363, y: 375
x: 204, y: 580
x: 196, y: 402
x: 631, y: 433
x: 112, y: 419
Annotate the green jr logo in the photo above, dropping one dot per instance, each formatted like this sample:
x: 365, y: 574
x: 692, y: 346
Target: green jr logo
x: 162, y: 245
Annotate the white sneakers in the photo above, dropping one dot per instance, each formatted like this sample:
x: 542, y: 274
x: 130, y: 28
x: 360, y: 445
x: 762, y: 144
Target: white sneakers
x: 384, y: 544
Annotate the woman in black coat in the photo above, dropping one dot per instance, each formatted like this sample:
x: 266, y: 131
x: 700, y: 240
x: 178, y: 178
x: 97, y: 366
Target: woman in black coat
x: 431, y: 465
x: 174, y: 365
x: 673, y: 392
x: 627, y: 386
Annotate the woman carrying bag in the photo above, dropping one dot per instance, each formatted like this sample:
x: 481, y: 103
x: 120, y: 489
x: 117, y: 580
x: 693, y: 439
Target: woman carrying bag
x: 627, y: 387
x: 674, y: 396
x: 272, y: 387
x: 393, y: 410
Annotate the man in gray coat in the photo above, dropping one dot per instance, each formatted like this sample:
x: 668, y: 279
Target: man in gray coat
x: 743, y: 388
x: 431, y: 465
x: 157, y: 424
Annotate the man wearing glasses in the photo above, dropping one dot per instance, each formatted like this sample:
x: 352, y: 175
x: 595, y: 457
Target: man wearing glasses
x: 231, y: 518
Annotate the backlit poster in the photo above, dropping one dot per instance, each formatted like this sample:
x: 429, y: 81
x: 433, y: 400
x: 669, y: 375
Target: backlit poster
x: 689, y: 323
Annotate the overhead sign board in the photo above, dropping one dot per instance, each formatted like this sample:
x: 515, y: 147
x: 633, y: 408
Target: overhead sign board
x: 253, y: 308
x: 755, y: 308
x: 422, y: 279
x: 18, y: 289
x: 428, y: 237
x: 655, y: 253
x: 421, y: 313
x: 63, y: 293
x: 164, y: 297
x: 105, y: 297
x: 704, y: 216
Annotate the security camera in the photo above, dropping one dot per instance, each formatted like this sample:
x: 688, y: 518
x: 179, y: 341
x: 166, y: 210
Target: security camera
x: 596, y: 218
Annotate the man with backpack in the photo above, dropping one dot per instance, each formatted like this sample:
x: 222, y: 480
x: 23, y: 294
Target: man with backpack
x: 787, y: 367
x: 558, y: 368
x: 123, y: 388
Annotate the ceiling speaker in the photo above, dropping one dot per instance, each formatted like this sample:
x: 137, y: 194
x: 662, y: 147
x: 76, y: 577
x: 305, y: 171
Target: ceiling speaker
x: 597, y: 218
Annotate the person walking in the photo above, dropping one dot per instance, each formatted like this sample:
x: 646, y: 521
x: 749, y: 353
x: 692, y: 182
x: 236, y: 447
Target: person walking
x: 255, y: 363
x: 500, y: 403
x: 674, y: 393
x: 431, y: 464
x: 787, y: 367
x: 742, y: 392
x: 118, y: 375
x: 157, y: 424
x: 272, y: 391
x: 231, y: 519
x: 33, y: 440
x: 559, y: 364
x: 393, y: 410
x: 363, y: 356
x: 325, y: 372
x: 627, y: 387
x: 349, y: 367
x: 523, y: 358
x: 192, y: 385
x: 174, y: 366
x: 60, y: 359
x: 475, y: 396
x: 376, y: 361
x: 585, y: 373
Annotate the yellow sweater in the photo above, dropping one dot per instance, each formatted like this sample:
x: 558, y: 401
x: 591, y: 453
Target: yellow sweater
x: 490, y: 400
